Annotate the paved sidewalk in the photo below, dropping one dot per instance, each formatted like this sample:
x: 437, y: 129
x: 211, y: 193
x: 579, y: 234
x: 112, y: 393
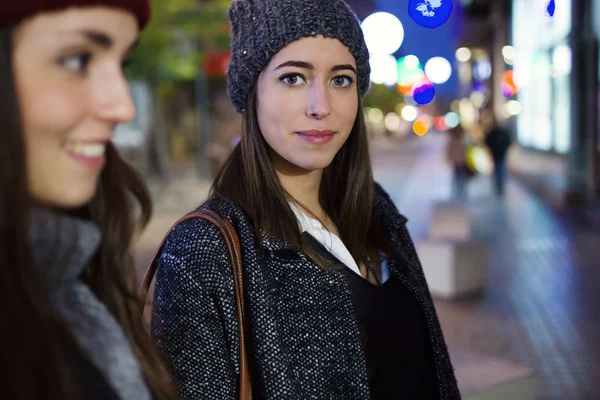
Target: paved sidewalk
x: 542, y: 304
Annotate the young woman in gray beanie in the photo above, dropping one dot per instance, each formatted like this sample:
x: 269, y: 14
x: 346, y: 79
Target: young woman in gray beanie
x: 335, y: 298
x: 71, y: 323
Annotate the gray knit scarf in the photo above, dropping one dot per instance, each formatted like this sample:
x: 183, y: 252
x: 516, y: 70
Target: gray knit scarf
x: 62, y: 246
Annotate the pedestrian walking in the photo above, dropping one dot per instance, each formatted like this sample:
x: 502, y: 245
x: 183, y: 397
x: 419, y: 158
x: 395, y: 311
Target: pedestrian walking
x: 456, y: 157
x: 498, y: 140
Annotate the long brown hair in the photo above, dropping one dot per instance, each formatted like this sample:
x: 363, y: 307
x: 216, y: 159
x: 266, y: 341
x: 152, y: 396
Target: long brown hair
x: 32, y: 334
x: 346, y: 192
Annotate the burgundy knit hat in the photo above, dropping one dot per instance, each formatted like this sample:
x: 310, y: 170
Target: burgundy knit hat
x: 15, y: 10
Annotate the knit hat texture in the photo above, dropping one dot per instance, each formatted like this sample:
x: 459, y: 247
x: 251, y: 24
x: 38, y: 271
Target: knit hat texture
x: 261, y: 28
x: 14, y: 11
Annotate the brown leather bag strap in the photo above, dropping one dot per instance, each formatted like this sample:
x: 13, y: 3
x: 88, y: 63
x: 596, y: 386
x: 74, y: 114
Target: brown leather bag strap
x: 152, y: 267
x: 235, y: 256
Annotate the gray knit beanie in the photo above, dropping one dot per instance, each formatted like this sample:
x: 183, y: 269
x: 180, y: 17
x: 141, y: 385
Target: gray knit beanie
x: 261, y: 28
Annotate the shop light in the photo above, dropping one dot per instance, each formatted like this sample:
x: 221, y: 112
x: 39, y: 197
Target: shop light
x: 468, y: 113
x: 509, y: 87
x: 423, y: 92
x: 375, y: 115
x: 383, y: 69
x: 463, y: 54
x: 452, y: 119
x: 482, y: 70
x: 438, y: 70
x: 561, y: 60
x: 420, y: 127
x: 408, y: 76
x: 409, y: 113
x: 411, y: 61
x: 440, y: 124
x: 513, y: 107
x: 479, y: 100
x: 521, y: 75
x: 508, y: 52
x: 383, y: 33
x: 392, y: 122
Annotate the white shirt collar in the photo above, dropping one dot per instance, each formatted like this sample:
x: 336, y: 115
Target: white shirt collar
x: 330, y: 240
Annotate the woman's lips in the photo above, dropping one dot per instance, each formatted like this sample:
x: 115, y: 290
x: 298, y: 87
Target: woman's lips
x: 316, y: 137
x: 90, y: 154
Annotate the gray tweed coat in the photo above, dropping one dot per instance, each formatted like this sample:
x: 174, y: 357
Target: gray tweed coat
x: 304, y: 337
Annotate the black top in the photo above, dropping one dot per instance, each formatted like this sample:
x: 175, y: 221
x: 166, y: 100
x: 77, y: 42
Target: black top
x: 394, y: 335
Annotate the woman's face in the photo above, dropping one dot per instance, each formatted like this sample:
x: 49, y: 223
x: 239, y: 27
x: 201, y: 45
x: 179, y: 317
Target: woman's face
x: 68, y: 69
x: 307, y: 101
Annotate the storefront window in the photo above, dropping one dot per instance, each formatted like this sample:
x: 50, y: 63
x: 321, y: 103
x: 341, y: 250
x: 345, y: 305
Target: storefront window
x: 542, y: 98
x: 542, y: 68
x: 562, y: 112
x: 561, y: 61
x: 561, y: 21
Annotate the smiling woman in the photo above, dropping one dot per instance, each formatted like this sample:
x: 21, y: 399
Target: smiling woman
x: 68, y: 202
x: 72, y: 93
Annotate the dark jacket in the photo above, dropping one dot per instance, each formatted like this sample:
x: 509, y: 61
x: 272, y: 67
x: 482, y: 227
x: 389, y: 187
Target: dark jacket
x: 498, y: 140
x: 305, y: 341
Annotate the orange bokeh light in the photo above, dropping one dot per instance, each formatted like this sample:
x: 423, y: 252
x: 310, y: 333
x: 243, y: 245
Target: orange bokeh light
x: 404, y: 89
x: 509, y: 87
x: 420, y: 127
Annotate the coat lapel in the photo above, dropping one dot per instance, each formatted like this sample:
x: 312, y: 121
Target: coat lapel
x: 272, y: 243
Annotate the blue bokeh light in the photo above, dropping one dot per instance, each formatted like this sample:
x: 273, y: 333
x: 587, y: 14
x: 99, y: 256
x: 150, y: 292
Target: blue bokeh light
x: 479, y: 87
x: 430, y: 13
x: 423, y: 93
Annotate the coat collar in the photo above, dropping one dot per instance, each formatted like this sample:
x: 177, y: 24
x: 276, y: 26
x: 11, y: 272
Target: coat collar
x: 386, y: 211
x: 273, y: 243
x: 383, y: 207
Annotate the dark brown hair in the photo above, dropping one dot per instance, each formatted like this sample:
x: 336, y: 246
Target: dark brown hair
x: 32, y: 335
x: 346, y: 193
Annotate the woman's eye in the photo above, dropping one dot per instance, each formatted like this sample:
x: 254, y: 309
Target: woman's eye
x: 76, y: 62
x: 293, y: 80
x: 342, y: 81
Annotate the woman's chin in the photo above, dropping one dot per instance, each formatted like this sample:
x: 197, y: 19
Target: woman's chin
x: 67, y: 199
x: 315, y: 164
